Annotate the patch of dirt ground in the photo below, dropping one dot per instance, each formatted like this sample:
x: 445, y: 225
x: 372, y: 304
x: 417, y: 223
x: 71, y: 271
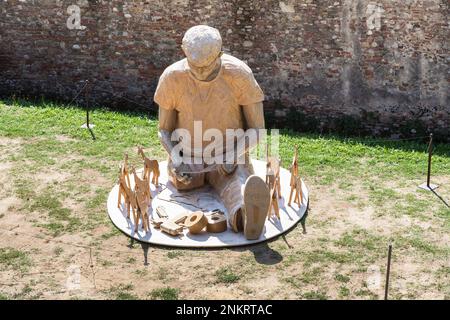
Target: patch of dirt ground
x: 102, y: 263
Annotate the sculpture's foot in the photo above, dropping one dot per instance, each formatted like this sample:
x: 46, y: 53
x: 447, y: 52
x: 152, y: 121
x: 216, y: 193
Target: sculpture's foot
x: 256, y: 206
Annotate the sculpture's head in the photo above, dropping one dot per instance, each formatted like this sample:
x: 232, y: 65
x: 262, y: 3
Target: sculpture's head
x: 202, y: 46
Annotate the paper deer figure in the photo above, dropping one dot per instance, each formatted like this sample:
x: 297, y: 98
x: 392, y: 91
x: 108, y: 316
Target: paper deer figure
x: 129, y: 197
x: 143, y: 202
x: 150, y: 166
x: 273, y: 182
x: 296, y: 182
x: 142, y: 185
x: 143, y: 198
x: 124, y: 181
x: 137, y: 201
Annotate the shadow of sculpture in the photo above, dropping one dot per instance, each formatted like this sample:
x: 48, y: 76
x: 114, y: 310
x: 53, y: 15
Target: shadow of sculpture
x: 145, y: 247
x: 265, y: 255
x: 262, y: 253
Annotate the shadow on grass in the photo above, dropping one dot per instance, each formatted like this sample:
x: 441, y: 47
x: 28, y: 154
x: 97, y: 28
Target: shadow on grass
x: 151, y: 113
x: 265, y: 255
x: 262, y: 253
x: 440, y: 198
x: 419, y: 144
x: 144, y: 246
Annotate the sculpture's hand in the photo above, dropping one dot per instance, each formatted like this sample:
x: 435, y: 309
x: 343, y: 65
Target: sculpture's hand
x: 180, y: 172
x: 186, y: 172
x: 178, y: 168
x: 165, y: 139
x: 227, y: 168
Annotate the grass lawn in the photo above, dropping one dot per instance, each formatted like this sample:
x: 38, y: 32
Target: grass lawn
x: 58, y: 242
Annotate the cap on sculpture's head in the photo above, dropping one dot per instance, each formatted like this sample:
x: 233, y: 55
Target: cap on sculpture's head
x: 202, y: 45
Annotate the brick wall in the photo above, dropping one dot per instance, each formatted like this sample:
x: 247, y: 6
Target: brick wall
x: 355, y: 66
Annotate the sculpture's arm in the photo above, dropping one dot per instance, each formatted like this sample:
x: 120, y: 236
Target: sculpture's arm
x: 254, y: 118
x: 254, y: 115
x: 167, y: 122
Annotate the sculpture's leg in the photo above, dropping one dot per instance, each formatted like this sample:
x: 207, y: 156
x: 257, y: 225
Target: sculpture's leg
x: 229, y: 188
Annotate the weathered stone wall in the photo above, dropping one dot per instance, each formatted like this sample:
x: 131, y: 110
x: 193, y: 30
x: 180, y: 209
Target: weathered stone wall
x: 346, y: 65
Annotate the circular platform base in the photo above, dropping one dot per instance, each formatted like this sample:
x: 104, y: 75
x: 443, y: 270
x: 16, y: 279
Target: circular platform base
x: 176, y: 202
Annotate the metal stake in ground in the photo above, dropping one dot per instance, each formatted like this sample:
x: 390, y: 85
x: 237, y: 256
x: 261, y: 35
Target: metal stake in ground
x: 427, y: 185
x: 87, y: 125
x: 388, y: 271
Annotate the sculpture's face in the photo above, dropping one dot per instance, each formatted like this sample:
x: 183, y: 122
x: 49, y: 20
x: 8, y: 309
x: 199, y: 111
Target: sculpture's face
x: 206, y: 73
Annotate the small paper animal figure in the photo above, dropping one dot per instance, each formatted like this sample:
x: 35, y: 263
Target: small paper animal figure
x: 124, y: 181
x: 130, y: 199
x: 298, y: 193
x: 273, y: 182
x: 139, y: 203
x: 140, y: 199
x: 143, y: 203
x: 142, y: 185
x: 273, y: 175
x: 295, y: 183
x: 150, y: 166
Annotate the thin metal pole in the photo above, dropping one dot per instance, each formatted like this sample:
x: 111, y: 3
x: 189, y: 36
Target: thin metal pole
x: 430, y: 154
x: 427, y: 185
x: 87, y: 103
x: 388, y: 271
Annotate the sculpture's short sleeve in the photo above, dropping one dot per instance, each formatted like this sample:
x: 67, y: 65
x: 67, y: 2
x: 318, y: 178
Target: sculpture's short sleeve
x: 165, y: 92
x: 249, y: 90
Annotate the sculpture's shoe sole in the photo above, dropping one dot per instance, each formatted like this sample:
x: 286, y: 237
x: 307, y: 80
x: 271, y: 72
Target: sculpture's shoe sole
x: 256, y: 204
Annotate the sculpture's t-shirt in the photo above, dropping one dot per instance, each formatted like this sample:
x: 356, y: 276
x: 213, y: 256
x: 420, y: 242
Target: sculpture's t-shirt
x: 217, y: 103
